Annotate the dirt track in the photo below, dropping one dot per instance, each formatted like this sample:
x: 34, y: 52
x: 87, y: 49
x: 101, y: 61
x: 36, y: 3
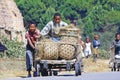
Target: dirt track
x: 12, y: 68
x: 16, y: 68
x: 89, y: 76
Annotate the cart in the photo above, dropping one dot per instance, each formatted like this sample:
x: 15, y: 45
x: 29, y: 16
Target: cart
x: 47, y: 67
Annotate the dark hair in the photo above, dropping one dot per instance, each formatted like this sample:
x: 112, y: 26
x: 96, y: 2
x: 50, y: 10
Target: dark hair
x: 56, y: 14
x: 32, y: 22
x: 116, y: 34
x: 88, y: 38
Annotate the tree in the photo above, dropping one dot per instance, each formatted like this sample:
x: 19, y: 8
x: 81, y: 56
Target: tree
x: 94, y: 16
x: 89, y: 28
x: 31, y: 10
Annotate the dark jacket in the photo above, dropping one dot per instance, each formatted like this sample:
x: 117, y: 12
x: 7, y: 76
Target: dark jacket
x: 96, y: 43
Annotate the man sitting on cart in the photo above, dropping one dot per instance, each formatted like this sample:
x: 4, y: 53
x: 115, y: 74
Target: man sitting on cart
x: 49, y: 29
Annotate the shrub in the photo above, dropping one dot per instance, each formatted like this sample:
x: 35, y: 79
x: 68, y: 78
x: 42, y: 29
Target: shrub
x: 15, y: 49
x: 103, y: 54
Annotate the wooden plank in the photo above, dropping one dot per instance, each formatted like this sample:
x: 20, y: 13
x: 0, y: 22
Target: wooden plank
x: 58, y: 61
x: 60, y: 43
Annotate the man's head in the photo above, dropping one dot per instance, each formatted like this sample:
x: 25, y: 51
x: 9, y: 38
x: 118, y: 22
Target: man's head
x: 117, y: 36
x: 96, y: 36
x: 88, y: 39
x: 57, y: 17
x: 32, y: 27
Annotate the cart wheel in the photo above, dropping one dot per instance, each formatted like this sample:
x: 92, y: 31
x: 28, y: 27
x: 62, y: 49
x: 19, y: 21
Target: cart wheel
x: 55, y: 73
x: 118, y: 66
x: 118, y: 69
x: 68, y: 66
x: 114, y: 67
x: 37, y: 69
x: 77, y: 69
x: 50, y: 73
x: 44, y: 72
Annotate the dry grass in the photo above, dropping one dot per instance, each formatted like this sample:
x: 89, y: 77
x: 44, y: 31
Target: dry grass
x: 16, y: 68
x: 12, y: 73
x: 12, y: 68
x: 100, y: 66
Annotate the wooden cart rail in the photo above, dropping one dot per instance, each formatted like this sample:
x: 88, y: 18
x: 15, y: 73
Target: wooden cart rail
x: 59, y: 43
x: 58, y: 61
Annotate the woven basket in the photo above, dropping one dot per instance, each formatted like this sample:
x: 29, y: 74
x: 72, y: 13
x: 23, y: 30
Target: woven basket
x: 71, y: 40
x: 39, y: 48
x: 69, y: 30
x: 50, y: 51
x: 47, y: 49
x: 66, y: 51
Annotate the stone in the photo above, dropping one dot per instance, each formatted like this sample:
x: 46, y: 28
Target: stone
x: 11, y: 21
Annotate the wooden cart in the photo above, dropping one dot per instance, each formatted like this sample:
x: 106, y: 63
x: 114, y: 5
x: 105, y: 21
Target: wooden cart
x: 46, y: 67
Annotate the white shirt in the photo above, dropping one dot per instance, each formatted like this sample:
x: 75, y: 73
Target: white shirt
x: 88, y: 48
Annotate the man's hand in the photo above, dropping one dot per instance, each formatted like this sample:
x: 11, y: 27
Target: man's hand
x: 96, y: 47
x: 36, y: 36
x: 27, y: 36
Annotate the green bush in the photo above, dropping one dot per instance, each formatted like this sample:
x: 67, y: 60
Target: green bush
x: 103, y: 54
x: 15, y: 49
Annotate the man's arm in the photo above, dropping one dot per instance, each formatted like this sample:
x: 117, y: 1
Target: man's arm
x: 112, y: 46
x: 46, y: 29
x: 64, y: 24
x: 99, y: 44
x: 29, y: 40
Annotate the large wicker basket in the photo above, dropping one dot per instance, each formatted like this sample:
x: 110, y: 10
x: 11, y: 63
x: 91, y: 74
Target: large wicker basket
x: 47, y: 49
x: 69, y: 30
x: 39, y: 49
x: 50, y: 50
x: 66, y: 51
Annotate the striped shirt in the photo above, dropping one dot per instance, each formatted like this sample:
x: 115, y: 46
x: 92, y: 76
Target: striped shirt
x: 49, y: 29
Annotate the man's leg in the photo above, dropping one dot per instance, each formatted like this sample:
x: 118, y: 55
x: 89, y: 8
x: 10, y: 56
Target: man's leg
x: 95, y: 58
x: 5, y: 56
x: 95, y: 55
x: 29, y: 61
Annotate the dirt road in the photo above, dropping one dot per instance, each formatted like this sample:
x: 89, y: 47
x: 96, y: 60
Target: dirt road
x: 89, y: 76
x: 16, y: 68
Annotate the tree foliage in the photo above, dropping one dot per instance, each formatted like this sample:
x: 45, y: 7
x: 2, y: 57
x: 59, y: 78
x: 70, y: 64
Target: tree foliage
x: 94, y: 16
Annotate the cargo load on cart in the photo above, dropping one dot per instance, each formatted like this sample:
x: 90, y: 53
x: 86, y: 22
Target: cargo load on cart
x: 63, y: 53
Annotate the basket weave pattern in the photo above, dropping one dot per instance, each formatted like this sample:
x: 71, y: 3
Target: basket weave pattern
x: 66, y: 51
x: 71, y: 40
x: 39, y: 47
x: 50, y: 50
